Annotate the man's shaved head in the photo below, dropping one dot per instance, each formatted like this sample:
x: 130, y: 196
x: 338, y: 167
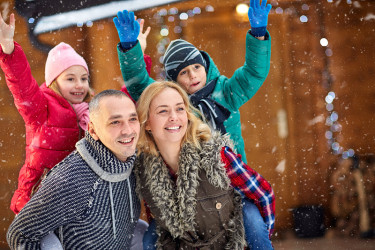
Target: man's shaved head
x: 94, y: 106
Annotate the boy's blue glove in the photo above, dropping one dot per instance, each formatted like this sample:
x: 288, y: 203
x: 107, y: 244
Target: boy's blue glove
x: 258, y: 17
x: 127, y: 28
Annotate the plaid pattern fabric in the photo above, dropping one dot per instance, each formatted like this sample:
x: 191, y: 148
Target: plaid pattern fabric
x: 251, y: 184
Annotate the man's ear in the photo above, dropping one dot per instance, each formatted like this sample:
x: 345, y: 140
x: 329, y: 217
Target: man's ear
x: 92, y: 131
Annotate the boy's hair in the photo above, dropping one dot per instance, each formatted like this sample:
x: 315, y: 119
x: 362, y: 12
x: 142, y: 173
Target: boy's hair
x: 94, y: 103
x: 196, y: 131
x: 179, y: 55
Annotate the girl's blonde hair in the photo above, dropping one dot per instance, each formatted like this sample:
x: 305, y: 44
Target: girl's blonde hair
x: 196, y: 131
x: 55, y: 87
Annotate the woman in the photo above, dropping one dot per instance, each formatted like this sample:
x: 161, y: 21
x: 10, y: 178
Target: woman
x: 186, y: 173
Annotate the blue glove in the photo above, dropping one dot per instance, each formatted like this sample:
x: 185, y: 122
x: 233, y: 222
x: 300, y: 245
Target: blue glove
x: 127, y: 28
x: 258, y: 17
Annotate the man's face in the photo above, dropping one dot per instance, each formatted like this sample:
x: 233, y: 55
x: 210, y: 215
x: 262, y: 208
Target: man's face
x: 116, y: 125
x: 192, y: 78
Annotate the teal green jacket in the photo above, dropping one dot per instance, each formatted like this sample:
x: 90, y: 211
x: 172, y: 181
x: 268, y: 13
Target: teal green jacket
x: 232, y: 92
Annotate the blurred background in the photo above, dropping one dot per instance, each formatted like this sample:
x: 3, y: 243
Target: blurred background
x: 310, y: 129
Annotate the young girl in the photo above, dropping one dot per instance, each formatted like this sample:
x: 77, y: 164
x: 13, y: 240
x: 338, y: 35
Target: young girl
x: 187, y: 175
x: 49, y: 111
x: 56, y: 113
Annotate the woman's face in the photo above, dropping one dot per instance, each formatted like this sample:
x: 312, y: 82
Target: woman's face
x: 73, y: 84
x: 167, y: 118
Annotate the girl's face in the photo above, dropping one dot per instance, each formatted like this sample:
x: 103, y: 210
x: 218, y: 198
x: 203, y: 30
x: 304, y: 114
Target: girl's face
x: 167, y: 118
x: 73, y: 84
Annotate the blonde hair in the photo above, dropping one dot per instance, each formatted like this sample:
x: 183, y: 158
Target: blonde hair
x: 55, y: 87
x: 196, y: 131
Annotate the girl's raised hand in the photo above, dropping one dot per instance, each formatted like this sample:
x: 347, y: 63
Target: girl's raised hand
x: 7, y: 34
x: 142, y: 37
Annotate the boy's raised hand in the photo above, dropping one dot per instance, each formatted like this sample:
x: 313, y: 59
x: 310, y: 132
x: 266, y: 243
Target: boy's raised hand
x: 258, y: 13
x: 127, y: 27
x: 7, y: 34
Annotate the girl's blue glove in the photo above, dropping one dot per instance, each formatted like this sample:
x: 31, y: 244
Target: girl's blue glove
x: 127, y: 28
x: 258, y: 17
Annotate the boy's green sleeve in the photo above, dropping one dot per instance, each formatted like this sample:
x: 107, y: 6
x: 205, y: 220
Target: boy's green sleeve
x: 133, y: 69
x: 247, y: 79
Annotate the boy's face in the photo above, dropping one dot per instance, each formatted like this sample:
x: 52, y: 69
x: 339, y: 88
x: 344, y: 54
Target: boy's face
x: 192, y: 78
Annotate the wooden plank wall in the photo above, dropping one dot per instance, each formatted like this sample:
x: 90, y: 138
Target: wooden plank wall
x: 283, y: 124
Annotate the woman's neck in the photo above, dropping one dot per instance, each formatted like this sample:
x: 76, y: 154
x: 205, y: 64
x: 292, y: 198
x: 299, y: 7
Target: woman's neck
x: 170, y: 153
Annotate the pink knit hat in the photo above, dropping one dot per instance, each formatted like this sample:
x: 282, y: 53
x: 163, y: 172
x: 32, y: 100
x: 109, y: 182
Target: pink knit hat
x: 61, y: 57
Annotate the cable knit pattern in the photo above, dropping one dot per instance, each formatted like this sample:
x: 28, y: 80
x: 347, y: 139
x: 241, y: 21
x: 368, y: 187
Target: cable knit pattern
x: 74, y: 201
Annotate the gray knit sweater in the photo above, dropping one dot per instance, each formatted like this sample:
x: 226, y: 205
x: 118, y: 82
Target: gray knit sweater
x: 88, y: 199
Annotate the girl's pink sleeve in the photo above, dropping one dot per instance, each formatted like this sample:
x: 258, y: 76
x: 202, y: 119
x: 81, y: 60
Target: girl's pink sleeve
x: 28, y: 98
x: 148, y: 62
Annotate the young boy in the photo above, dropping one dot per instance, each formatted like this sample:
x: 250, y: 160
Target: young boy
x: 217, y: 96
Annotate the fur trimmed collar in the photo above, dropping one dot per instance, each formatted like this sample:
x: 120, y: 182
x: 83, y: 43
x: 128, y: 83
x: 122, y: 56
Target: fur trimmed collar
x: 178, y: 201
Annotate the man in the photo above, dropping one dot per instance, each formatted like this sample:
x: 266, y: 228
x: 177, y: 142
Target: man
x: 88, y: 199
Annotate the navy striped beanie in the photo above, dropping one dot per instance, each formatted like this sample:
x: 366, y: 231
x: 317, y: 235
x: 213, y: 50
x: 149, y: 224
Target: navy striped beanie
x: 179, y: 55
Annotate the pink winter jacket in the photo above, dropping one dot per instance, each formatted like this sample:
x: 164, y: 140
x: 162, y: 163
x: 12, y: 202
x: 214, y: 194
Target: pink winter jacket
x: 51, y: 124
